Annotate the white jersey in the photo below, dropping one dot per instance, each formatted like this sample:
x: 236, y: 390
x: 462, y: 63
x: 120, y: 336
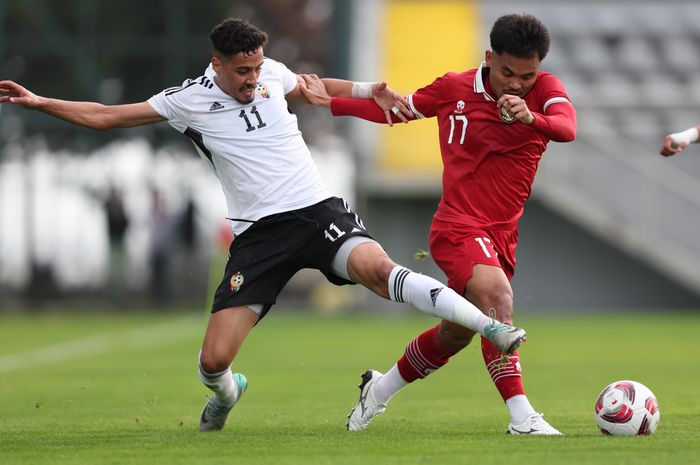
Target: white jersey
x: 256, y: 149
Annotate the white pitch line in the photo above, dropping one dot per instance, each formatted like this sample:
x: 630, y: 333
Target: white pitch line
x: 141, y: 338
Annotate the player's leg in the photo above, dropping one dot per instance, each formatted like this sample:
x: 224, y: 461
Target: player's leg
x: 348, y: 255
x: 489, y: 288
x: 455, y: 251
x: 369, y: 265
x: 259, y: 266
x: 423, y: 356
x: 224, y: 337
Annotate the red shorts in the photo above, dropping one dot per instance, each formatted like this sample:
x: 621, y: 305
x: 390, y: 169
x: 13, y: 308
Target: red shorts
x: 457, y: 248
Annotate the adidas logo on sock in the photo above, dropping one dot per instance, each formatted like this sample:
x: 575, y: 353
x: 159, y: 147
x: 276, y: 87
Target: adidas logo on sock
x: 434, y: 293
x: 216, y: 106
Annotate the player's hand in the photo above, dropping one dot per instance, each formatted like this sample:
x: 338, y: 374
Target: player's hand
x: 391, y: 102
x: 670, y: 147
x: 517, y: 107
x: 314, y: 90
x: 12, y: 92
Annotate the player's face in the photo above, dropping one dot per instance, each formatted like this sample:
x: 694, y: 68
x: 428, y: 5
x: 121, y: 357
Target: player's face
x: 238, y: 74
x: 510, y: 74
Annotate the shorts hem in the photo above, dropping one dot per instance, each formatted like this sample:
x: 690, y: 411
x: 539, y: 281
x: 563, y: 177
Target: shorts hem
x: 223, y: 306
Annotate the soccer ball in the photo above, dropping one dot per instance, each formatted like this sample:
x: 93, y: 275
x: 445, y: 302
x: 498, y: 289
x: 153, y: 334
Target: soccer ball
x: 627, y: 408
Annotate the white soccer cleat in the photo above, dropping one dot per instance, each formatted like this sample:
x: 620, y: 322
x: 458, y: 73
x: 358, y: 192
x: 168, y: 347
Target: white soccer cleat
x: 367, y: 407
x: 214, y: 415
x: 504, y: 336
x: 535, y: 424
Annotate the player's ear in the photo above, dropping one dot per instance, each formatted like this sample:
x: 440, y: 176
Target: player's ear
x: 216, y: 64
x: 487, y: 57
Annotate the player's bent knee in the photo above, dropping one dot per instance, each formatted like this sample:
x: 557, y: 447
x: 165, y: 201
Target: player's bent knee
x: 371, y: 267
x: 382, y: 271
x: 213, y: 363
x: 497, y: 298
x: 502, y: 302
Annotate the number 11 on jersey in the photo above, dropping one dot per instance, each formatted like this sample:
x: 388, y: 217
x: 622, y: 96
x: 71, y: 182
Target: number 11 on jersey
x: 249, y: 126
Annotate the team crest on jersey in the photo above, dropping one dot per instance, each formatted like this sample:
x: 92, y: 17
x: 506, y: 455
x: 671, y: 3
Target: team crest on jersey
x: 505, y: 115
x: 460, y: 107
x: 262, y: 90
x: 236, y: 282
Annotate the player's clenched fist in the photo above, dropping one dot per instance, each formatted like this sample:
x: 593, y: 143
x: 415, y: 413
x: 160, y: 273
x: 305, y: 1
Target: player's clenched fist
x: 517, y: 107
x: 670, y: 147
x: 676, y: 142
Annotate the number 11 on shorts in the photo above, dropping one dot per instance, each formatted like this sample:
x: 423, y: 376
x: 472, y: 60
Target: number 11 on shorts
x: 334, y: 234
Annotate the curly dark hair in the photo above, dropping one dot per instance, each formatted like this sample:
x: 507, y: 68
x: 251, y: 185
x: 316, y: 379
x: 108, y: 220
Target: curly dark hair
x: 234, y: 35
x: 522, y: 36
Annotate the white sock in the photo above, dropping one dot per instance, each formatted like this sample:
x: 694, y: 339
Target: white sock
x: 520, y: 408
x: 434, y: 298
x: 388, y: 385
x: 221, y: 384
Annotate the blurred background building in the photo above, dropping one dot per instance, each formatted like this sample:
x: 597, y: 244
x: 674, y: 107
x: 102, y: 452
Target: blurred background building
x: 85, y: 216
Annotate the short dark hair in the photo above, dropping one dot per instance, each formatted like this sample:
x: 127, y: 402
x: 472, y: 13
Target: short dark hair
x: 522, y: 36
x: 234, y: 35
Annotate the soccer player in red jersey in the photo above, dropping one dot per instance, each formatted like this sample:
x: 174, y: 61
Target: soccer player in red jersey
x: 494, y: 124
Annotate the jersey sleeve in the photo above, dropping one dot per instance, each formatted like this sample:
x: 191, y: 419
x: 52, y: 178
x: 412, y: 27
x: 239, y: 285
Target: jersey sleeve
x: 172, y: 104
x: 288, y: 78
x: 423, y: 102
x: 361, y: 108
x: 552, y: 91
x: 557, y: 121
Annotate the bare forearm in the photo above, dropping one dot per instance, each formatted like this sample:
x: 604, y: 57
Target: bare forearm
x: 338, y: 87
x: 89, y: 114
x: 98, y: 116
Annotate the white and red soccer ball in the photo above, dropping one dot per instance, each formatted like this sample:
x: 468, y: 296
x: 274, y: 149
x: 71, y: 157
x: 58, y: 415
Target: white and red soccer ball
x: 627, y: 408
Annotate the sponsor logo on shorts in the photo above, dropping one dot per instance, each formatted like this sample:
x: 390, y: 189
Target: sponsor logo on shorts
x: 236, y: 282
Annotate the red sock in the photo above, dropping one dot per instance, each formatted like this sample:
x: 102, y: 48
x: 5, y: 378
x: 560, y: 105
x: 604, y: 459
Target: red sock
x: 504, y: 370
x: 423, y: 355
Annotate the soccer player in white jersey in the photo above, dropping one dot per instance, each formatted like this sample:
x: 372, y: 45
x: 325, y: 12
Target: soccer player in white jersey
x: 678, y: 141
x: 283, y: 217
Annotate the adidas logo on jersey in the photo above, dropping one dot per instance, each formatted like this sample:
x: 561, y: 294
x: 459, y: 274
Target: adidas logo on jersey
x: 216, y: 106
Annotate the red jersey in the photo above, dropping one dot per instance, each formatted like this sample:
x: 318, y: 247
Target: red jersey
x: 489, y: 164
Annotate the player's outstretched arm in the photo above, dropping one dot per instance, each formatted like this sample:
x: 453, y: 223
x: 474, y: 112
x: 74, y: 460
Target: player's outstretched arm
x: 317, y: 93
x: 88, y: 114
x: 387, y: 98
x: 677, y: 142
x: 320, y: 91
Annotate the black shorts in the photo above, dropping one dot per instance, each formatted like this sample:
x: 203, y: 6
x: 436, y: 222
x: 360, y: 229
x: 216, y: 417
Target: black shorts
x: 265, y: 256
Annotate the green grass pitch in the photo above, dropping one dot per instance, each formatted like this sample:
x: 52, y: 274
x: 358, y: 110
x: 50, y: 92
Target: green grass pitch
x: 123, y: 389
